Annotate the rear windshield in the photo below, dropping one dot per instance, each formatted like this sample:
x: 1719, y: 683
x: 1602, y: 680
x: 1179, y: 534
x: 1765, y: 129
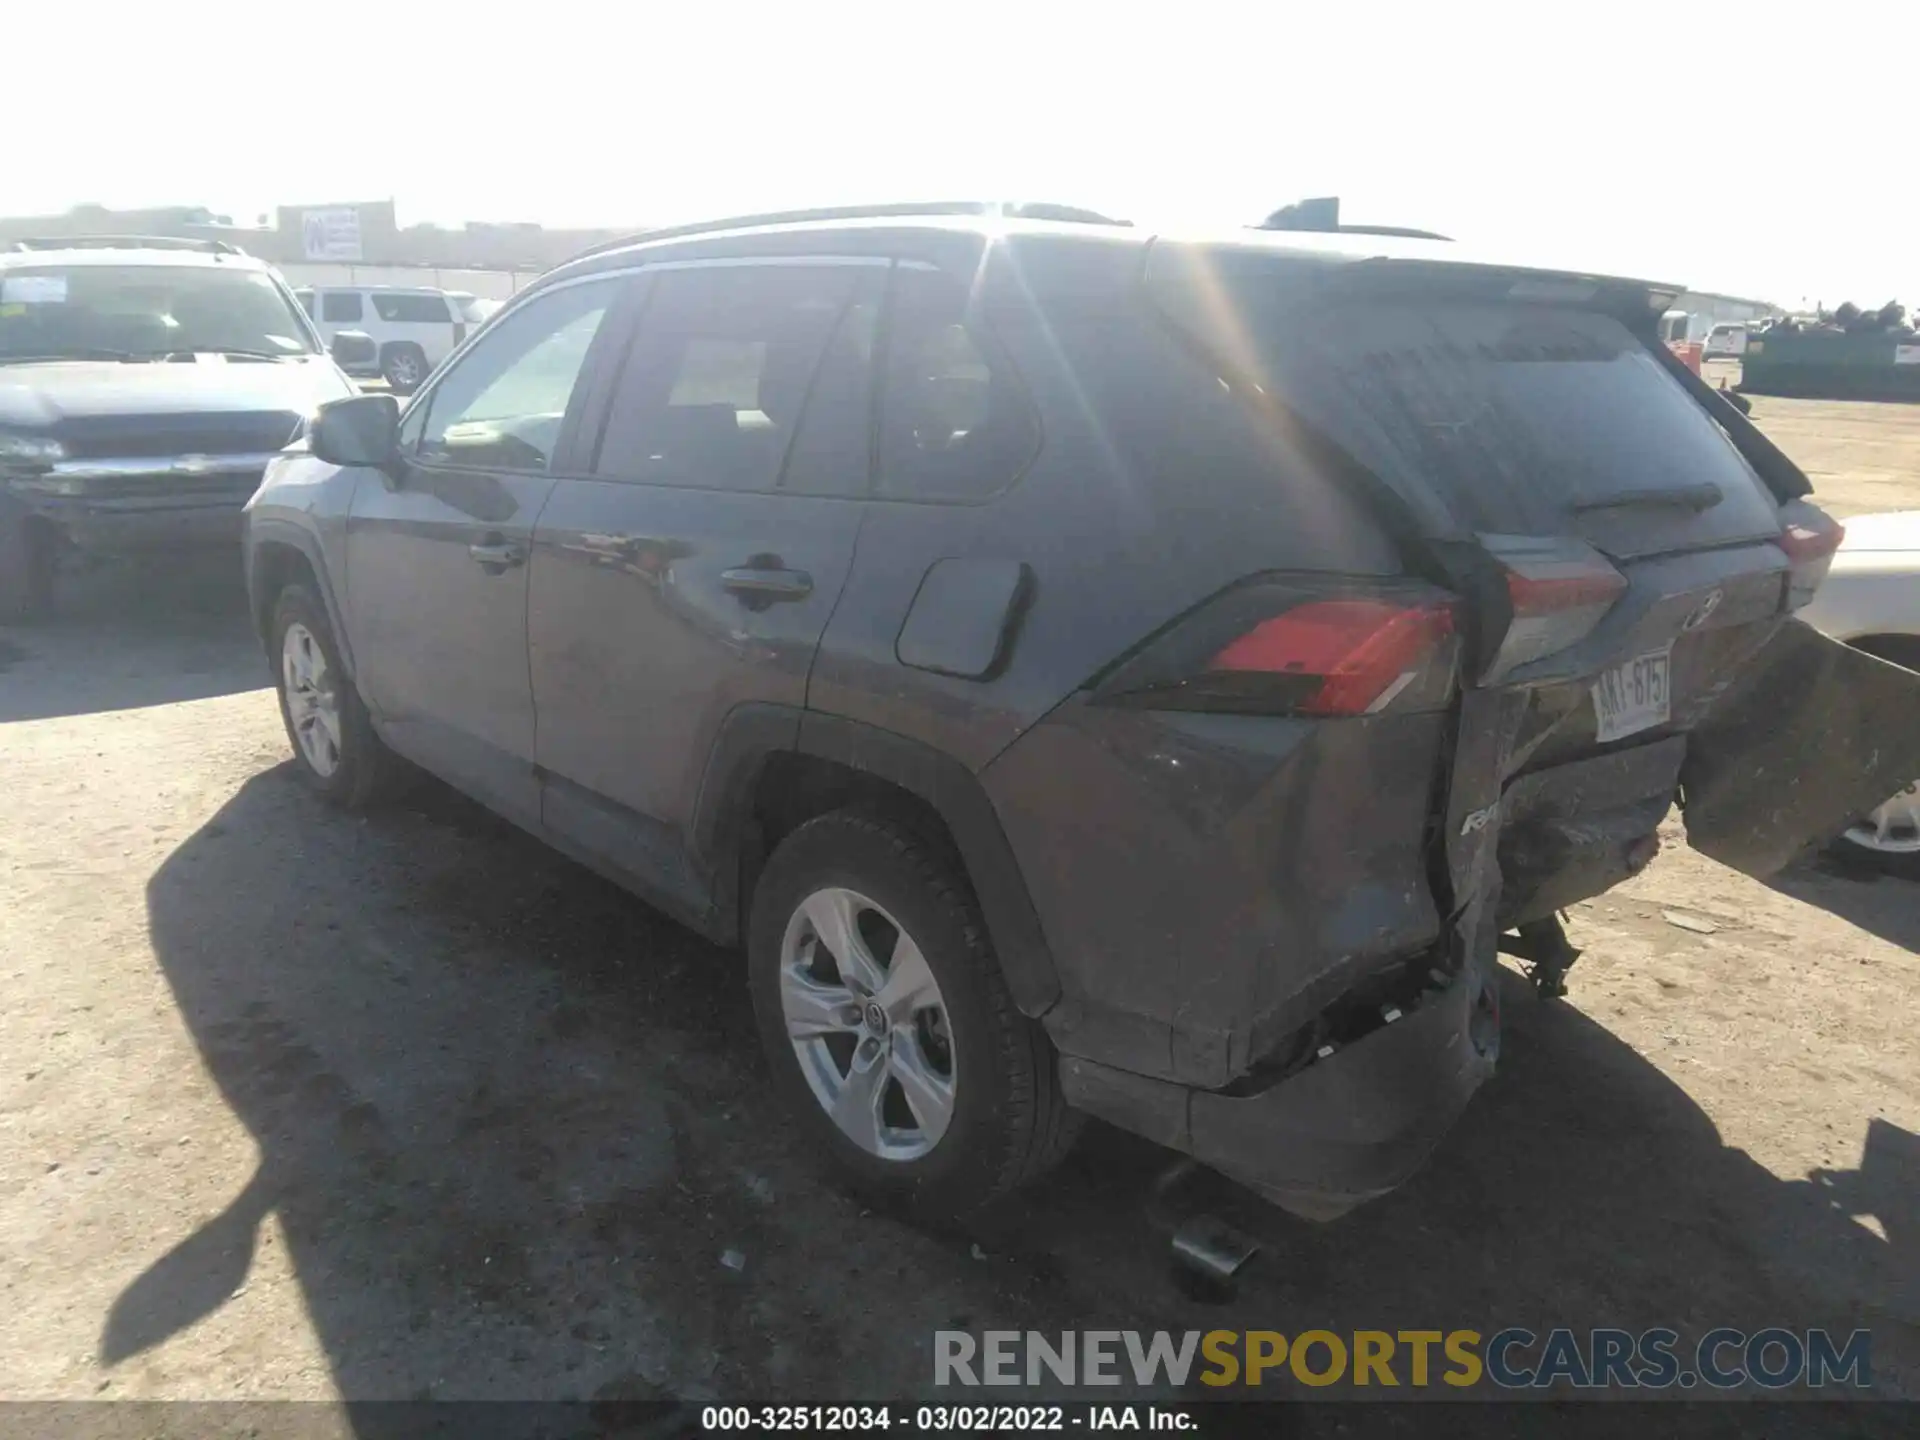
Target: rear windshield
x: 1517, y: 413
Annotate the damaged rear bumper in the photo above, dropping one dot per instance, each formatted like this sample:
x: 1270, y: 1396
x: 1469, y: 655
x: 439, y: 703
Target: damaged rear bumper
x: 1812, y: 736
x: 1578, y: 829
x: 1189, y: 968
x: 1350, y: 1126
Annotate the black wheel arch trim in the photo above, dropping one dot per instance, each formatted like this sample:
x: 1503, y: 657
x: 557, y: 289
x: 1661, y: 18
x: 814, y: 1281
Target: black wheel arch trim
x: 278, y: 532
x: 752, y: 733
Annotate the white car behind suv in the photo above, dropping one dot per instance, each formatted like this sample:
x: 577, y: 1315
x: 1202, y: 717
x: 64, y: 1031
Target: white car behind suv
x: 1726, y: 341
x: 1871, y: 600
x: 414, y: 329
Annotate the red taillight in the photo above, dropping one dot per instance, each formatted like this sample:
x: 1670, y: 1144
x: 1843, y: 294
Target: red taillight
x: 1558, y: 590
x: 1362, y: 652
x: 1316, y: 645
x: 1810, y: 537
x: 1805, y: 542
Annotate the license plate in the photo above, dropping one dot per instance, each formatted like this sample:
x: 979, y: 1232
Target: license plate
x: 1633, y: 697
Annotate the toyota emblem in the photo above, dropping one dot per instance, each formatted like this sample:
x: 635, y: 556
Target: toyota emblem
x: 1704, y: 609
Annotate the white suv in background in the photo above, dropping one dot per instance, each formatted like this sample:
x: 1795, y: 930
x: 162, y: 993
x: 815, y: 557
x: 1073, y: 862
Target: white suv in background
x: 414, y: 329
x: 1726, y: 341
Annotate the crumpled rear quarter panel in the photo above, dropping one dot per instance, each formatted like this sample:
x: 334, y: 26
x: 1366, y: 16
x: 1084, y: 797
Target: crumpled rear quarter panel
x: 1207, y: 883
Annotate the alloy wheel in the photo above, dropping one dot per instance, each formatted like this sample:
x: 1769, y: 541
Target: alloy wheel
x: 313, y: 701
x: 868, y: 1024
x: 403, y: 369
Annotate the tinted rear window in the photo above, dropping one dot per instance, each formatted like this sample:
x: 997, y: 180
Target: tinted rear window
x: 954, y: 424
x: 1517, y: 414
x: 411, y: 309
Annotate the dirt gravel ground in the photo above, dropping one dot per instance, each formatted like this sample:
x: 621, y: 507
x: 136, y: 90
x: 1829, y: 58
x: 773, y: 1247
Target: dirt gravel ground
x: 1861, y: 457
x: 296, y: 1105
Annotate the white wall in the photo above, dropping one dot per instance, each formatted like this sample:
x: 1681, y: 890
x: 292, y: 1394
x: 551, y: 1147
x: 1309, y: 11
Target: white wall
x: 488, y: 284
x: 1706, y: 311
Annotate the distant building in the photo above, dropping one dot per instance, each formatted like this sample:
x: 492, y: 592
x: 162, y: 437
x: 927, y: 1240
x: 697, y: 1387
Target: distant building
x: 1704, y: 311
x: 350, y: 232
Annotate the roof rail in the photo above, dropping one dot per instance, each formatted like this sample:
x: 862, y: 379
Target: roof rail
x: 127, y: 242
x: 1019, y: 210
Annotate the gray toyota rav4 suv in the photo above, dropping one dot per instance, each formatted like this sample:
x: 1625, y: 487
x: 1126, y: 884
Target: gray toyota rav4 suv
x: 1089, y: 671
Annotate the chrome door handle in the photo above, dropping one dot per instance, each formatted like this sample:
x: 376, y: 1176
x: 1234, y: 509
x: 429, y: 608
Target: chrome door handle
x: 768, y: 584
x: 498, y: 556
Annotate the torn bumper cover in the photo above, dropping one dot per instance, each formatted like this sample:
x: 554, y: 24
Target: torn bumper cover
x: 1811, y: 736
x: 1579, y: 829
x: 1350, y: 1126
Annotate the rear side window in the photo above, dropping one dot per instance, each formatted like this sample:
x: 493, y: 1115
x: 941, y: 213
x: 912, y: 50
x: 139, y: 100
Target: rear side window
x: 340, y: 306
x: 411, y: 309
x: 714, y: 389
x: 1519, y: 415
x: 954, y: 424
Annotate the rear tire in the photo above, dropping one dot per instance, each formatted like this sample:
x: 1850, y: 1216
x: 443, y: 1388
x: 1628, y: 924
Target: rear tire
x: 26, y: 565
x: 334, y: 747
x: 404, y: 367
x: 1003, y: 1121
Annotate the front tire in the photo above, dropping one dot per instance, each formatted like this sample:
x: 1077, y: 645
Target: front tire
x: 334, y: 747
x: 887, y: 1024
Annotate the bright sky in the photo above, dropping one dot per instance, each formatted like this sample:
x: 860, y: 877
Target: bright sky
x: 1756, y: 148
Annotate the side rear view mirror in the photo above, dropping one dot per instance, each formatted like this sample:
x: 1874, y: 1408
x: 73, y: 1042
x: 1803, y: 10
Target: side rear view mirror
x: 353, y: 350
x: 360, y: 430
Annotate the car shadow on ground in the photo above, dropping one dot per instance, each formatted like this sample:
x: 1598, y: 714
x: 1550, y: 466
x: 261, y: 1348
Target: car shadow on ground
x: 126, y: 635
x: 1884, y: 905
x: 516, y: 1132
